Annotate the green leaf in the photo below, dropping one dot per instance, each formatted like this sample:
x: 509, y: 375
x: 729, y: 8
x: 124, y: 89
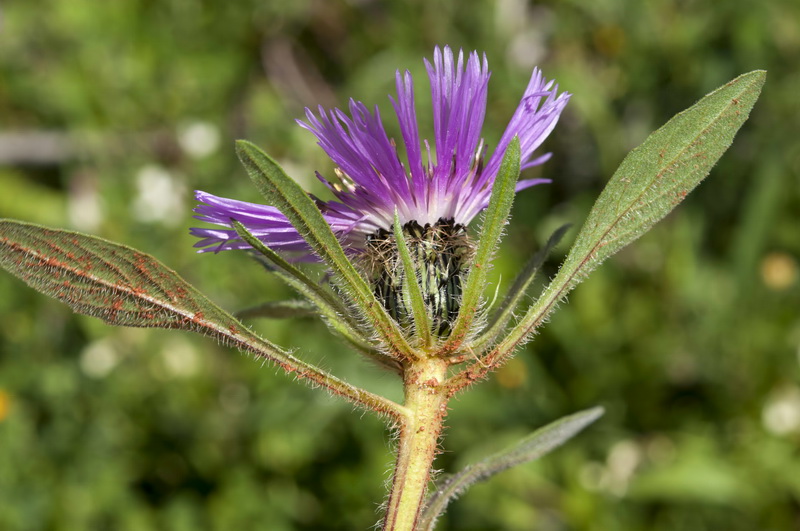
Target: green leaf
x: 652, y: 180
x: 532, y: 447
x: 322, y: 298
x: 280, y: 310
x: 285, y: 194
x: 297, y: 278
x: 125, y: 287
x: 333, y: 311
x: 516, y: 292
x: 411, y: 286
x: 494, y: 222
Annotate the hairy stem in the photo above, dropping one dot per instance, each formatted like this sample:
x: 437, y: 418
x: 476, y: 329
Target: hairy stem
x: 426, y: 402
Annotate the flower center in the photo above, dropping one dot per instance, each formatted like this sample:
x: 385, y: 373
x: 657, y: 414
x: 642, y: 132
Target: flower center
x: 441, y: 254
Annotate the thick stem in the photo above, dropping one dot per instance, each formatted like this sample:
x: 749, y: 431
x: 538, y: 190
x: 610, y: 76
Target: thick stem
x: 426, y: 402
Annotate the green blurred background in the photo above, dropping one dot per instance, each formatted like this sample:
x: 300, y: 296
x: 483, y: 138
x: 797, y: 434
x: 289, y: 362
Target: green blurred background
x: 112, y: 112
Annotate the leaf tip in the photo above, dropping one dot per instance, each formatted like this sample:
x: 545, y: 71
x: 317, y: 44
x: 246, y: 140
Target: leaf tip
x: 755, y: 77
x: 246, y: 150
x: 595, y: 413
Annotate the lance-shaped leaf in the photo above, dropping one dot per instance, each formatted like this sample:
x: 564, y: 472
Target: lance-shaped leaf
x: 532, y: 447
x: 505, y: 311
x: 652, y: 180
x: 280, y: 310
x: 332, y: 310
x: 494, y: 222
x: 411, y: 286
x: 125, y: 287
x: 285, y: 194
x: 293, y: 276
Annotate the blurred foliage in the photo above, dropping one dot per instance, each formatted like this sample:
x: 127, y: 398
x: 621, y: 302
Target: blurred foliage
x: 690, y: 338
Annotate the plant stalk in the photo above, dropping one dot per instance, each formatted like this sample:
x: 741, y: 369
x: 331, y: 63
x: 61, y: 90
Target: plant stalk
x: 426, y: 402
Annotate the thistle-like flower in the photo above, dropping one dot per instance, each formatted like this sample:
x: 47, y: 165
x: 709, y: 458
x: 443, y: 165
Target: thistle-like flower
x: 434, y: 194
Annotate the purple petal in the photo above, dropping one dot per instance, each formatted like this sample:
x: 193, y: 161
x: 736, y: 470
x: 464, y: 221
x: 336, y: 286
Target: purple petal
x: 459, y: 106
x: 265, y: 223
x: 537, y: 161
x: 534, y: 119
x: 271, y: 227
x: 527, y: 183
x: 405, y: 109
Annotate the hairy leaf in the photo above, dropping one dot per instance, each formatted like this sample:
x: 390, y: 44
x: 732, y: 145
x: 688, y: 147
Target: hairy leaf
x: 279, y: 310
x: 335, y: 314
x: 295, y: 277
x: 503, y: 314
x: 283, y: 192
x: 532, y: 447
x: 494, y: 222
x: 652, y: 180
x: 125, y: 287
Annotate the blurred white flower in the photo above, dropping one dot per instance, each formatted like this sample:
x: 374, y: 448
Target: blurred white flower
x: 620, y: 467
x: 99, y: 358
x: 159, y: 198
x: 781, y: 413
x: 180, y: 359
x: 199, y: 139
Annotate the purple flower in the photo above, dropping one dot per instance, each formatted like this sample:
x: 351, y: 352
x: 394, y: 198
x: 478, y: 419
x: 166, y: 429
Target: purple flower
x: 451, y: 183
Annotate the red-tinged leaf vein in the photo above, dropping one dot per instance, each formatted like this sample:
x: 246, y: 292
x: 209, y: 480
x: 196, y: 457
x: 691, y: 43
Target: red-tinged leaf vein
x: 126, y: 287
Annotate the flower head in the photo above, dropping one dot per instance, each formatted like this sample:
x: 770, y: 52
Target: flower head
x: 452, y: 183
x: 435, y: 193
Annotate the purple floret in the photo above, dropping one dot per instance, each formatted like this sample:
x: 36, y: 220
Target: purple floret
x: 452, y: 184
